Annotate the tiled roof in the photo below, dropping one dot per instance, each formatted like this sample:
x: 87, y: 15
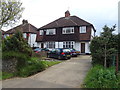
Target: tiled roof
x: 25, y: 28
x: 66, y: 22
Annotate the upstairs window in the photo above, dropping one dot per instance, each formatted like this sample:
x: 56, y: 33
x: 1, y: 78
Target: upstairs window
x: 50, y: 32
x: 41, y: 32
x: 68, y: 30
x: 83, y: 29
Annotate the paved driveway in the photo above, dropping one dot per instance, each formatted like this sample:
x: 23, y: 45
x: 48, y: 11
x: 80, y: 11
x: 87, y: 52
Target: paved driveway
x: 68, y: 74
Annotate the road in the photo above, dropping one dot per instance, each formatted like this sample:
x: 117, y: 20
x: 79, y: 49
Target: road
x: 68, y: 74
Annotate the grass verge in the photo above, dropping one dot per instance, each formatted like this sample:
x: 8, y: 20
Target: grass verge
x: 99, y: 77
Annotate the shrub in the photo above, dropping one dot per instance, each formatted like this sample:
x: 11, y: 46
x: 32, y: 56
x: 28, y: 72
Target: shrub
x: 98, y: 77
x: 16, y: 43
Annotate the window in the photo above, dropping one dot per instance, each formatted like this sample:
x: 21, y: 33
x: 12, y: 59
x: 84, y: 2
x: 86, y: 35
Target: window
x: 24, y: 35
x: 83, y: 29
x: 68, y: 44
x: 41, y: 32
x: 50, y: 44
x: 50, y: 32
x: 68, y: 30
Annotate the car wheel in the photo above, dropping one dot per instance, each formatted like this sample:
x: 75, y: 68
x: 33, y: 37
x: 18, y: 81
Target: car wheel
x: 69, y: 58
x: 59, y: 57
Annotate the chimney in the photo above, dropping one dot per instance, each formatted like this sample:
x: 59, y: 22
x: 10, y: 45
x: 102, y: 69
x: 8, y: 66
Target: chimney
x: 24, y: 21
x: 67, y: 13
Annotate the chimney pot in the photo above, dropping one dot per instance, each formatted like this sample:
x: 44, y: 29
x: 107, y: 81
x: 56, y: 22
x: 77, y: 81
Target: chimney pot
x: 24, y: 21
x: 67, y: 13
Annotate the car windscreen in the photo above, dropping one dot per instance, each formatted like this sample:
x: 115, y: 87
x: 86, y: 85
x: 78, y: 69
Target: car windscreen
x: 66, y: 50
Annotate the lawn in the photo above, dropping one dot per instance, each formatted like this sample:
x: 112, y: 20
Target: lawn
x: 35, y: 65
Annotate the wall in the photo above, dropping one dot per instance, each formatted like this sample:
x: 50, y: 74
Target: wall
x: 9, y: 65
x: 77, y: 46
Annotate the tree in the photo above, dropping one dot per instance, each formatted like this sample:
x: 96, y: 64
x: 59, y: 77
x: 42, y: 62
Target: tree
x: 11, y: 12
x: 104, y: 47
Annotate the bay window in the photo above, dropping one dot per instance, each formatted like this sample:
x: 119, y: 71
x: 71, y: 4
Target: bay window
x: 68, y: 44
x: 50, y: 44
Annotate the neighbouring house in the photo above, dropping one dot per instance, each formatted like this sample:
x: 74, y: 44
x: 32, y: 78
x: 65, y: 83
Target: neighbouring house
x: 2, y: 32
x: 66, y: 32
x: 29, y: 32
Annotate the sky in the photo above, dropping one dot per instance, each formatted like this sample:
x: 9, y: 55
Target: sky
x: 97, y: 12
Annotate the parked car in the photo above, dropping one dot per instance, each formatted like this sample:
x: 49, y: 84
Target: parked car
x: 37, y: 50
x: 44, y: 49
x: 78, y: 52
x: 73, y: 52
x: 59, y: 53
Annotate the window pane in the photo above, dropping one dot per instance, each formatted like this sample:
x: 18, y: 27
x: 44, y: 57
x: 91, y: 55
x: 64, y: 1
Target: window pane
x: 83, y: 29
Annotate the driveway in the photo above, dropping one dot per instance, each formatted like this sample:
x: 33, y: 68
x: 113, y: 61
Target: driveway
x: 68, y: 74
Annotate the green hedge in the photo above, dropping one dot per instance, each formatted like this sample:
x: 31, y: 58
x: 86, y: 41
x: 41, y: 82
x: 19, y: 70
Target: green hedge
x: 98, y: 77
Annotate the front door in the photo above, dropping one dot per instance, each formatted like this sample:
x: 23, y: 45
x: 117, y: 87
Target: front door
x: 82, y: 47
x: 42, y: 45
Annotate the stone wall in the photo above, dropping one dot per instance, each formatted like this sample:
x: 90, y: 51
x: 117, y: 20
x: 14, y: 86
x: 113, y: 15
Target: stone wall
x: 9, y: 65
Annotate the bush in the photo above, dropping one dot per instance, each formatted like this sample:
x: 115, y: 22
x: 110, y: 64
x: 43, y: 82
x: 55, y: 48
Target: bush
x: 16, y: 43
x: 98, y: 77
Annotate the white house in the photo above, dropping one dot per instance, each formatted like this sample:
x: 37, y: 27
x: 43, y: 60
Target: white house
x: 29, y: 32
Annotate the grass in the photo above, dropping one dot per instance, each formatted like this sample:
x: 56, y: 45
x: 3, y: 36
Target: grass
x: 99, y: 77
x: 34, y: 66
x: 5, y: 75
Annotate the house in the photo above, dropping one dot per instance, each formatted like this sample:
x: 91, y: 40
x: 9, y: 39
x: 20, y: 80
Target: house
x: 29, y: 32
x: 66, y: 32
x: 2, y: 33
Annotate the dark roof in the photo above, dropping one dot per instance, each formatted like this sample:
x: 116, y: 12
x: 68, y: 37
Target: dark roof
x: 66, y: 22
x: 25, y: 28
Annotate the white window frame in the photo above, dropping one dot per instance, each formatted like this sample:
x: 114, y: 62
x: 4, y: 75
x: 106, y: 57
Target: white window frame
x: 68, y: 44
x: 50, y: 44
x: 64, y: 30
x: 41, y: 32
x: 83, y: 29
x: 48, y: 31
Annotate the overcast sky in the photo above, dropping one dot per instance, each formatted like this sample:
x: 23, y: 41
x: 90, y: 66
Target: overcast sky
x: 97, y: 12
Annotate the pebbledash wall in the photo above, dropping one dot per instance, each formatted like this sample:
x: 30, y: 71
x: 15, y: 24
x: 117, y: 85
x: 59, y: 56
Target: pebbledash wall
x: 77, y: 45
